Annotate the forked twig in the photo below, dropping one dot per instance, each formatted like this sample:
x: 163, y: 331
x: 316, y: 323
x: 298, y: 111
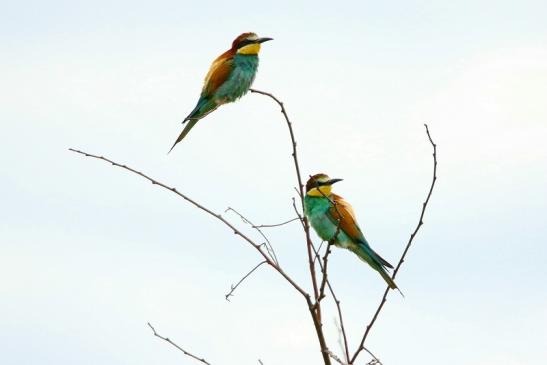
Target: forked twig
x: 219, y: 217
x: 268, y: 244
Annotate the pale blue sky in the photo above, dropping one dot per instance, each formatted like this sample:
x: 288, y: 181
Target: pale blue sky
x: 89, y: 254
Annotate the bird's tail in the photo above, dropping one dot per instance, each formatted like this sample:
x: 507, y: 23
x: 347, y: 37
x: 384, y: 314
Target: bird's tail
x: 367, y: 254
x: 190, y: 125
x: 203, y: 107
x: 387, y: 278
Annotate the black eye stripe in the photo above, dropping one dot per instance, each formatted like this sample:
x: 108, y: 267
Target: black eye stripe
x: 245, y: 42
x: 313, y: 183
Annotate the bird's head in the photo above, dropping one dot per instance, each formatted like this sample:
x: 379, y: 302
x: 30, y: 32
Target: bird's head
x: 320, y: 185
x: 248, y: 43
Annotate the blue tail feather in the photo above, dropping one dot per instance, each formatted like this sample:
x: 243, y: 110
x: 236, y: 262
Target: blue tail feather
x: 367, y: 254
x: 204, y: 106
x: 202, y: 102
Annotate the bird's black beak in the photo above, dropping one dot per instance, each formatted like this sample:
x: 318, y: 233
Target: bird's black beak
x: 333, y: 181
x: 262, y: 40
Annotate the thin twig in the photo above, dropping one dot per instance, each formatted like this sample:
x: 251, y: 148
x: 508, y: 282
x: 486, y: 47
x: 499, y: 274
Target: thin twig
x: 335, y: 358
x: 323, y: 266
x: 276, y: 225
x: 234, y: 287
x: 202, y: 360
x: 402, y: 259
x: 300, y: 217
x: 338, y: 307
x: 324, y: 271
x: 257, y: 246
x: 316, y: 257
x: 268, y: 244
x: 300, y: 186
x: 342, y: 327
x: 374, y: 360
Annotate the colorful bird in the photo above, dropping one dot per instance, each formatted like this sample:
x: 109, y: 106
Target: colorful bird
x: 228, y: 79
x: 332, y: 217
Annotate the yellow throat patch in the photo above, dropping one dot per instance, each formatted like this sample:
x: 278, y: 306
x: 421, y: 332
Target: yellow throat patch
x: 320, y: 191
x: 253, y: 48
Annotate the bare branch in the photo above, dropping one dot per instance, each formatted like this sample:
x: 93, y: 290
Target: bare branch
x: 234, y: 287
x: 338, y: 308
x: 325, y: 280
x: 324, y: 271
x: 293, y: 139
x: 300, y: 189
x: 342, y: 328
x: 276, y: 225
x: 219, y: 217
x: 402, y: 259
x: 202, y: 360
x: 315, y: 309
x: 300, y: 217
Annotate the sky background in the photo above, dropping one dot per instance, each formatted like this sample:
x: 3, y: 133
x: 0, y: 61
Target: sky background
x: 90, y: 253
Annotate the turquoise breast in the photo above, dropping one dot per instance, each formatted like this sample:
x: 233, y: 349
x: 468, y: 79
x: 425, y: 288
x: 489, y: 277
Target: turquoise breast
x: 316, y: 210
x: 241, y: 78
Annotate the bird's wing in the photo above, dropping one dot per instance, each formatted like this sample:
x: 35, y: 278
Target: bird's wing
x: 343, y: 211
x: 218, y: 73
x: 348, y: 224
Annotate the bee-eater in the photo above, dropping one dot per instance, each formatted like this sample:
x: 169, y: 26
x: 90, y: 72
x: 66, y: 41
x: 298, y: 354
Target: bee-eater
x: 229, y: 78
x: 333, y: 217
